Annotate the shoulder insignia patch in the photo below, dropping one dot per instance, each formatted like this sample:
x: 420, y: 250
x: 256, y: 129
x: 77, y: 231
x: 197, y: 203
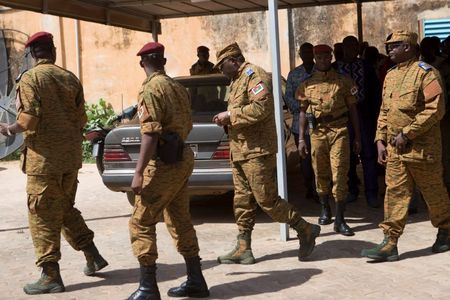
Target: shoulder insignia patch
x: 424, y: 66
x: 249, y: 71
x: 258, y: 88
x: 142, y: 112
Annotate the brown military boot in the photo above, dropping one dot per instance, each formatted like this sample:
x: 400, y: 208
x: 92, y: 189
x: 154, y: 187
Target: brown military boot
x: 386, y: 251
x: 50, y: 281
x: 242, y: 253
x: 307, y: 234
x: 94, y: 261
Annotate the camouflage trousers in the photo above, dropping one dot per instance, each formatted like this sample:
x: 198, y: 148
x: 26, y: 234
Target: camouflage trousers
x: 255, y: 184
x: 445, y: 131
x: 400, y: 178
x: 330, y: 153
x: 51, y: 210
x: 164, y: 195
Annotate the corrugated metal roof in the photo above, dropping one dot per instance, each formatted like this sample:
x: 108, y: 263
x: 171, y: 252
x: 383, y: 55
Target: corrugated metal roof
x: 139, y: 14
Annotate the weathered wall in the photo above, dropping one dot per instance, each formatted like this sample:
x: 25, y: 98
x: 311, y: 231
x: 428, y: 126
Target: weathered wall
x: 110, y: 68
x: 330, y: 24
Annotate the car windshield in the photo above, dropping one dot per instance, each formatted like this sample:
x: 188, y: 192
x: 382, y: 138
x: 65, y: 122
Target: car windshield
x: 207, y: 100
x: 208, y: 94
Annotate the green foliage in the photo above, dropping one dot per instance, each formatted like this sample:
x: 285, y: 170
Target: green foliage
x: 99, y: 116
x: 13, y: 156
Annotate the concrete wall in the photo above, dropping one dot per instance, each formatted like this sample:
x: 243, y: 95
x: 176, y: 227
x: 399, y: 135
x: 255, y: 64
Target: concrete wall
x: 110, y: 69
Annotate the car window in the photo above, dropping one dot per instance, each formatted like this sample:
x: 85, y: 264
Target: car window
x: 207, y: 100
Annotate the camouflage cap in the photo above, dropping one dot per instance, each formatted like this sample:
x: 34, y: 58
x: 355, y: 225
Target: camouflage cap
x: 402, y: 36
x: 230, y: 50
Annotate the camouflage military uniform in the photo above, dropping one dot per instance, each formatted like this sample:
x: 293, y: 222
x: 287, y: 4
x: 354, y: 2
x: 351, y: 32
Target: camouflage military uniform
x: 52, y: 98
x: 253, y: 148
x: 199, y: 69
x: 413, y: 103
x: 164, y: 106
x: 328, y: 95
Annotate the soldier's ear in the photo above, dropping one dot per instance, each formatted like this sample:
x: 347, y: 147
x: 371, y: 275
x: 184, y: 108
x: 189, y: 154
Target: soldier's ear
x: 141, y: 63
x: 408, y: 47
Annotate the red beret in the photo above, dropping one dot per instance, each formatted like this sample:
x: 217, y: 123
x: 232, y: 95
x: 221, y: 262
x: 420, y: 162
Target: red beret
x: 39, y: 37
x: 322, y: 49
x: 152, y: 47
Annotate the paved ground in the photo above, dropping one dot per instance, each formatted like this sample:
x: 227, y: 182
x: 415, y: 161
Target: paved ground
x: 334, y: 271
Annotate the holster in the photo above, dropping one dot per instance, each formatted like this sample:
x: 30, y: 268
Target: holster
x: 170, y: 147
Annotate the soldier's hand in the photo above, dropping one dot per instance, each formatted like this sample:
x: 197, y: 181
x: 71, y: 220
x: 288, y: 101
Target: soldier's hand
x: 222, y: 119
x: 400, y: 142
x: 302, y: 149
x: 382, y: 153
x: 356, y: 147
x: 3, y: 129
x: 136, y: 184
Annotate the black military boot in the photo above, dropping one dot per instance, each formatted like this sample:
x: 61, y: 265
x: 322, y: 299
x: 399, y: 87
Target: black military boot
x: 442, y: 242
x: 242, y: 252
x: 195, y: 286
x: 325, y: 212
x: 50, y: 281
x: 307, y: 234
x: 148, y: 289
x: 94, y: 261
x: 340, y: 226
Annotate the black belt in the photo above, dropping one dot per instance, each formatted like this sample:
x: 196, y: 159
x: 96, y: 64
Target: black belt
x: 329, y: 118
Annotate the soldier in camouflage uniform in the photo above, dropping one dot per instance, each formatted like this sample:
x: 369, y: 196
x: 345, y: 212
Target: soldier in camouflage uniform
x: 52, y: 116
x: 203, y: 66
x: 409, y: 144
x: 160, y: 185
x: 325, y: 99
x: 251, y: 128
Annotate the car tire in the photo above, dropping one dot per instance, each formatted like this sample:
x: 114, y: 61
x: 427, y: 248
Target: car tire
x: 130, y: 197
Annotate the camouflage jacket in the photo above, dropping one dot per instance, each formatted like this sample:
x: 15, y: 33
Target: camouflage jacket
x: 198, y: 69
x: 328, y: 95
x: 53, y: 96
x: 250, y: 103
x: 164, y: 105
x: 413, y: 104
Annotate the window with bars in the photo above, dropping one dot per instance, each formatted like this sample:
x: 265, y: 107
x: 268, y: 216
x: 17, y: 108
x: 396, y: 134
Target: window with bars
x: 436, y: 27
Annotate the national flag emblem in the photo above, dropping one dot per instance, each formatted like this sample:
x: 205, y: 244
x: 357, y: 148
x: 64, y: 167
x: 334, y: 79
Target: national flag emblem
x: 258, y: 88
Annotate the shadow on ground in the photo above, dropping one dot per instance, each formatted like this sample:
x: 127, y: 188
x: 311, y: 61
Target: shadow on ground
x: 124, y: 276
x: 326, y: 250
x: 266, y: 282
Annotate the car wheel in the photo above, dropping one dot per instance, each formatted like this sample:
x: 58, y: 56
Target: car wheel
x: 130, y: 197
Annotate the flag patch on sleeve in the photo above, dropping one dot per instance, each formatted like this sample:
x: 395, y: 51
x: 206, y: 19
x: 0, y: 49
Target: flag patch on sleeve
x: 258, y: 88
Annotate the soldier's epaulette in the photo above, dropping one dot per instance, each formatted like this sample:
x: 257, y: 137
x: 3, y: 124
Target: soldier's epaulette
x: 424, y: 66
x: 20, y: 76
x: 249, y: 72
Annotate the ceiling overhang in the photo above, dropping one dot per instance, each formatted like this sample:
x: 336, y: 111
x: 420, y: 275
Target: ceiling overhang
x: 143, y: 15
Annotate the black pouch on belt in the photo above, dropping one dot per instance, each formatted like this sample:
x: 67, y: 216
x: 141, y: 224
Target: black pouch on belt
x: 170, y: 147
